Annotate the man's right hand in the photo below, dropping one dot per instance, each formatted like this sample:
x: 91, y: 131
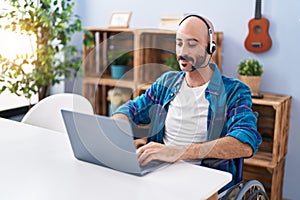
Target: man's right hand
x: 120, y: 116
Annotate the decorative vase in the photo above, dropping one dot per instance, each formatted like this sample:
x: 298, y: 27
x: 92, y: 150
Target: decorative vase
x: 121, y: 72
x: 253, y: 82
x: 118, y: 71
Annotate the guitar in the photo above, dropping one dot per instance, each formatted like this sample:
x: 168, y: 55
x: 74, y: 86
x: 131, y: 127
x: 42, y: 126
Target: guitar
x: 258, y: 39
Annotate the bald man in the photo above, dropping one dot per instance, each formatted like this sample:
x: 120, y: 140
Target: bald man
x: 196, y: 113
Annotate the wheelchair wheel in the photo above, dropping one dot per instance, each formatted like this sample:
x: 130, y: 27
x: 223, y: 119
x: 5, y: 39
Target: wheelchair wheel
x: 257, y: 194
x: 252, y: 190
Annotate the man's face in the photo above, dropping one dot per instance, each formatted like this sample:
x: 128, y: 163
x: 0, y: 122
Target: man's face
x: 191, y: 44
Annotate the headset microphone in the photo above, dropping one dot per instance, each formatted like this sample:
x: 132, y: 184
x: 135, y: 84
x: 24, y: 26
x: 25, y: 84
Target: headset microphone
x: 201, y: 66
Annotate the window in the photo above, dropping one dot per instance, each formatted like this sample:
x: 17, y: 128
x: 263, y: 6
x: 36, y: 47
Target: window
x: 11, y: 45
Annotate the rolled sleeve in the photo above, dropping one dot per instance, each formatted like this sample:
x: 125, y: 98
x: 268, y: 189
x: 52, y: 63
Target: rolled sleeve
x: 242, y: 122
x: 245, y: 131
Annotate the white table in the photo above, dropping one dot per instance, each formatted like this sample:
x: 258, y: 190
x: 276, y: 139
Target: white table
x: 37, y: 163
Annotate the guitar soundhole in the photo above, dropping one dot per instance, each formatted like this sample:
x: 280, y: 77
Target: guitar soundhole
x: 257, y: 29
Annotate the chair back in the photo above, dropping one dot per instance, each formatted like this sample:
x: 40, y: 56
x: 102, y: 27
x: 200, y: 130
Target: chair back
x: 47, y: 112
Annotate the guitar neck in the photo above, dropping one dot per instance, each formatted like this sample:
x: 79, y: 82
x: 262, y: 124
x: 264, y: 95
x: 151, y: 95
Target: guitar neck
x: 258, y: 9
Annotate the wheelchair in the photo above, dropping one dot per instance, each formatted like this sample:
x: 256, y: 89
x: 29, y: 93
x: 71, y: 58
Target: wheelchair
x: 242, y: 190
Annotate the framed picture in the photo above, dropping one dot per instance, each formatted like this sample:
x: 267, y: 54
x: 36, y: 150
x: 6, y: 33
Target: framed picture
x: 119, y: 19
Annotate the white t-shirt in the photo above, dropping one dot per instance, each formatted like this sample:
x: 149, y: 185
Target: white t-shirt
x: 186, y: 121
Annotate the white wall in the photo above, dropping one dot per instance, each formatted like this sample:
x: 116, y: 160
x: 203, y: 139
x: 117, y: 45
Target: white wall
x: 231, y: 17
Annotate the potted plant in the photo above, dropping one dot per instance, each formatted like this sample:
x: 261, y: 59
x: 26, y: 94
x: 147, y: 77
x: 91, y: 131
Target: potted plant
x: 250, y: 72
x: 172, y: 63
x: 119, y: 63
x: 50, y: 24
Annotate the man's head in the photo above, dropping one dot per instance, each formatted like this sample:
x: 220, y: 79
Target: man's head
x: 194, y: 44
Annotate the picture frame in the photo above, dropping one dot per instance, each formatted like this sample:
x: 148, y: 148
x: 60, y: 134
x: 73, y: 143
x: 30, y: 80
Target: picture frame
x: 120, y: 19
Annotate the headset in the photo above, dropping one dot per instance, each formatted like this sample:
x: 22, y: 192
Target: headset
x: 211, y: 47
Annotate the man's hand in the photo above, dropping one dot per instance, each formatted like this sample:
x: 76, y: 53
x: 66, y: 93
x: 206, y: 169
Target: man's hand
x: 157, y: 151
x: 120, y: 116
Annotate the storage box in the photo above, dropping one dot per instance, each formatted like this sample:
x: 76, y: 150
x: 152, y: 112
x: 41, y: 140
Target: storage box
x: 267, y: 165
x: 271, y: 178
x: 273, y: 125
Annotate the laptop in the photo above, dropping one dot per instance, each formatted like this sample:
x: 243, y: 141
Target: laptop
x: 106, y: 142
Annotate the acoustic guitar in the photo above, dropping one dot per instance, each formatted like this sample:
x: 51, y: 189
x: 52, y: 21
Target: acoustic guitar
x: 258, y: 39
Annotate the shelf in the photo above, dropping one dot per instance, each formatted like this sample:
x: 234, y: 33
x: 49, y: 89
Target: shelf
x: 110, y: 82
x: 273, y: 124
x: 267, y: 165
x: 144, y: 87
x: 270, y: 177
x: 270, y: 99
x: 262, y: 159
x: 150, y: 49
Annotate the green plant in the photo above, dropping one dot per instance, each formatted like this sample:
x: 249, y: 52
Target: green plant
x: 116, y: 57
x: 250, y: 67
x: 172, y: 62
x: 51, y: 23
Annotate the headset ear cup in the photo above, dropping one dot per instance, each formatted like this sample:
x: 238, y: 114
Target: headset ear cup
x: 208, y: 48
x: 213, y: 47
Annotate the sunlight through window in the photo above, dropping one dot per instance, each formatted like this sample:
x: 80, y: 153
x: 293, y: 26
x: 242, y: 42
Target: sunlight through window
x: 12, y: 44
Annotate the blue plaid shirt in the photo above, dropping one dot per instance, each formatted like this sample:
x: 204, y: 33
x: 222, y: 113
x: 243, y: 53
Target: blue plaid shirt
x: 229, y: 113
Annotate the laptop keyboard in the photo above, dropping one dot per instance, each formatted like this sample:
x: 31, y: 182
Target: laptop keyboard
x: 152, y: 165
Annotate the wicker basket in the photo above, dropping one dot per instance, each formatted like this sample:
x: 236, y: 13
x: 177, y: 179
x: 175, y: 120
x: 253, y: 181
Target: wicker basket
x: 253, y: 82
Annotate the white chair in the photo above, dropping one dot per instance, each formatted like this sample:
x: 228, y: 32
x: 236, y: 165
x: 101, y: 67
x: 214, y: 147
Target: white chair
x: 46, y: 113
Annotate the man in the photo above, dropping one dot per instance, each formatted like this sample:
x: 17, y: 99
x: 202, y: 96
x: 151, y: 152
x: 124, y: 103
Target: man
x: 196, y: 113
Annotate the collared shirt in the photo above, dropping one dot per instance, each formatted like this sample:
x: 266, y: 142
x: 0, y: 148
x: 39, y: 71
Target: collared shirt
x: 229, y: 112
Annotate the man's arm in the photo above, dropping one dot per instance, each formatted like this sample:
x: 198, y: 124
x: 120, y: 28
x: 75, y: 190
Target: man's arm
x: 222, y: 148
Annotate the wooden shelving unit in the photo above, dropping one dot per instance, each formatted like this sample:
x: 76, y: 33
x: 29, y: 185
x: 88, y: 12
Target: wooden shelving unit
x: 149, y: 47
x: 267, y: 165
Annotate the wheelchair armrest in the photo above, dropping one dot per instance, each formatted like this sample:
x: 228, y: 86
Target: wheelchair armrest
x: 213, y: 162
